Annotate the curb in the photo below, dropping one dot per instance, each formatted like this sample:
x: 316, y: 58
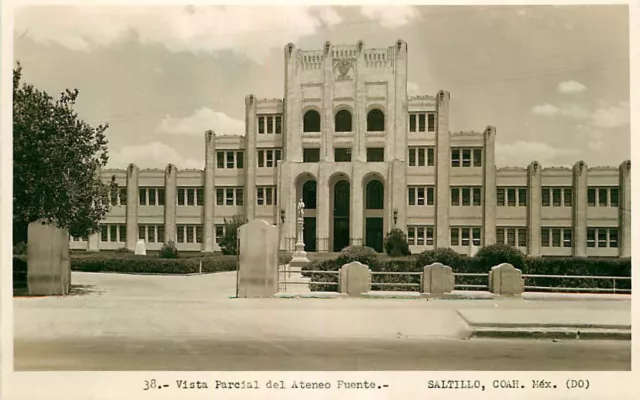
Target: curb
x: 537, y: 333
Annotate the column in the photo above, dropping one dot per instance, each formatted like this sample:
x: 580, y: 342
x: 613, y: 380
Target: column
x: 357, y: 205
x: 323, y: 204
x: 359, y: 151
x: 397, y: 128
x: 292, y: 134
x: 534, y: 208
x: 624, y: 207
x: 209, y: 190
x: 443, y: 163
x: 170, y: 202
x: 489, y: 187
x: 328, y: 126
x: 580, y: 209
x: 132, y: 206
x: 250, y: 165
x: 94, y: 242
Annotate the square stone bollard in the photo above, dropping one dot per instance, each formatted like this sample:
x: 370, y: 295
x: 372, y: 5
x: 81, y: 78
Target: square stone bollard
x: 506, y: 280
x: 48, y: 262
x: 437, y: 279
x: 258, y: 260
x: 355, y: 279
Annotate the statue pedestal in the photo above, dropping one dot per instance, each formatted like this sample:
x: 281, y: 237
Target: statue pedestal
x: 299, y: 258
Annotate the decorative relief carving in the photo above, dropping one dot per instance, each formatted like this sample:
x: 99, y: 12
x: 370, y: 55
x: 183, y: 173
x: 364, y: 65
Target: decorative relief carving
x: 343, y: 67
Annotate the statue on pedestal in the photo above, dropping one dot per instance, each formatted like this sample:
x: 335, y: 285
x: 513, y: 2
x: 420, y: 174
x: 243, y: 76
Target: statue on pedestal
x: 300, y: 208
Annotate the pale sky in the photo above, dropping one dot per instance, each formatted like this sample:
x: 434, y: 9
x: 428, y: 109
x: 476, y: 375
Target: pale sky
x: 554, y: 80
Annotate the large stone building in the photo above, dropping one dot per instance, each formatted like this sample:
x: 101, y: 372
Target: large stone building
x: 365, y: 157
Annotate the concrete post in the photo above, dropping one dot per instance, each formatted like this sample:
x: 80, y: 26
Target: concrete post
x: 250, y: 166
x: 506, y: 280
x: 534, y: 208
x: 437, y: 279
x: 133, y: 199
x: 355, y: 279
x: 624, y: 208
x: 443, y: 164
x: 580, y: 171
x: 170, y: 202
x: 94, y: 242
x: 489, y: 187
x: 209, y: 191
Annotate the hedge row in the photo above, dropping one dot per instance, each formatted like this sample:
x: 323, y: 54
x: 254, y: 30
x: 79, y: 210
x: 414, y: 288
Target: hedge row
x: 482, y: 263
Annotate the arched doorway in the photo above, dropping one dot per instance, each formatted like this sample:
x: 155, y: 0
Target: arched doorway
x: 341, y: 204
x: 374, y: 220
x: 309, y: 227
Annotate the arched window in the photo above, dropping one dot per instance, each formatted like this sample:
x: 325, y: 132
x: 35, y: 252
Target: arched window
x: 375, y: 121
x: 375, y: 195
x: 343, y: 121
x: 341, y: 199
x: 309, y: 195
x: 311, y: 121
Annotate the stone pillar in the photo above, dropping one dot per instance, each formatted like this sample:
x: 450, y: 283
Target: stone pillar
x: 359, y: 151
x: 534, y: 208
x: 209, y: 191
x: 292, y: 134
x: 506, y: 280
x: 170, y: 202
x: 580, y: 171
x: 94, y: 242
x: 624, y: 208
x: 443, y: 164
x: 48, y: 265
x: 324, y: 210
x: 250, y: 166
x: 489, y: 187
x: 355, y: 279
x: 356, y: 228
x: 437, y: 279
x: 397, y: 129
x: 327, y: 126
x: 133, y: 199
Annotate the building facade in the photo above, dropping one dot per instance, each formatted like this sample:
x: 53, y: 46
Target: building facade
x: 365, y: 158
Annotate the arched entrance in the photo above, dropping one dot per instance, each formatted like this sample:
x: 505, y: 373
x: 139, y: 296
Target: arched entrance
x: 374, y: 215
x: 341, y: 205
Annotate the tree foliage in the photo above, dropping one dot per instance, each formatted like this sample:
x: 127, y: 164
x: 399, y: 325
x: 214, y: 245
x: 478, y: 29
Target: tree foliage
x: 56, y: 162
x: 229, y: 242
x: 396, y: 244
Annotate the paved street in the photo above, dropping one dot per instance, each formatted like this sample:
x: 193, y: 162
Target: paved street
x: 125, y: 322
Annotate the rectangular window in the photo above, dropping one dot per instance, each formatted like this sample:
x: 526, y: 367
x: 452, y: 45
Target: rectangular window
x: 464, y: 234
x: 240, y: 159
x: 412, y: 157
x: 614, y: 197
x: 104, y: 233
x: 591, y: 238
x: 546, y: 194
x: 429, y: 236
x: 190, y: 196
x: 123, y: 233
x: 455, y: 157
x: 219, y: 233
x: 151, y: 234
x: 260, y: 197
x: 500, y: 197
x: 142, y: 232
x: 466, y: 196
x: 200, y: 196
x: 602, y: 197
x: 239, y: 196
x: 278, y: 124
x: 268, y: 196
x: 555, y: 237
x: 544, y: 237
x: 260, y: 124
x: 198, y: 233
x: 566, y: 238
x: 229, y: 197
x: 260, y: 158
x: 430, y: 196
x: 511, y: 237
x: 432, y: 122
x: 375, y: 154
x: 310, y: 155
x: 269, y: 159
x: 455, y: 197
x: 500, y: 236
x: 230, y: 159
x: 219, y: 197
x: 477, y: 157
x: 476, y: 236
x: 613, y: 237
x: 421, y: 198
x: 123, y: 196
x: 342, y: 154
x: 161, y: 234
x: 466, y: 157
x: 180, y: 232
x: 591, y: 197
x: 143, y: 197
x: 557, y: 197
x: 181, y: 196
x: 522, y: 197
x: 420, y: 235
x: 412, y: 122
x: 430, y: 157
x: 511, y: 197
x: 477, y: 196
x: 278, y: 156
x: 412, y: 196
x: 522, y: 237
x: 189, y: 233
x: 568, y: 197
x: 269, y: 124
x: 421, y: 160
x: 455, y: 238
x: 421, y: 122
x: 411, y: 235
x: 220, y: 159
x: 602, y: 237
x: 152, y: 196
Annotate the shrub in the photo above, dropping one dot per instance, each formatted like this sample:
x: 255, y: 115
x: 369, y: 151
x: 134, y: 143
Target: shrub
x: 20, y: 249
x: 123, y: 250
x: 229, y: 242
x: 145, y: 265
x: 495, y: 254
x: 443, y: 256
x: 396, y: 244
x: 362, y: 254
x: 169, y: 250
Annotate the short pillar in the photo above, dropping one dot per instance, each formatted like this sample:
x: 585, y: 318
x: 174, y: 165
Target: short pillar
x: 355, y: 279
x: 437, y: 279
x: 48, y: 265
x: 258, y: 260
x: 506, y: 280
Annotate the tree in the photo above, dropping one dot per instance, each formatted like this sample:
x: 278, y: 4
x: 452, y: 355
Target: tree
x: 56, y: 162
x: 396, y: 244
x: 229, y: 242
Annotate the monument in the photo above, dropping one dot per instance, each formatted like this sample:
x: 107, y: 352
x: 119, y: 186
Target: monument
x: 299, y: 258
x: 258, y: 260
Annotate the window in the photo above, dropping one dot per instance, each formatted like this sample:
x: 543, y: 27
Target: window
x: 466, y: 236
x: 219, y: 197
x: 566, y: 238
x: 269, y: 159
x: 602, y: 238
x: 148, y: 233
x: 191, y: 197
x: 418, y: 122
x: 160, y: 232
x: 200, y: 196
x: 270, y: 124
x: 260, y: 124
x: 455, y: 157
x: 455, y: 197
x: 189, y: 233
x: 123, y: 196
x: 522, y: 197
x: 343, y: 121
x: 229, y: 196
x: 421, y: 156
x: 477, y: 196
x: 152, y: 196
x: 511, y: 197
x: 375, y: 195
x: 556, y: 237
x: 613, y: 237
x: 342, y: 154
x: 606, y: 197
x: 466, y: 157
x: 477, y: 157
x: 420, y: 235
x: 602, y: 197
x: 557, y: 197
x: 421, y: 122
x: 417, y: 196
x: 432, y: 122
x: 512, y: 236
x: 104, y: 233
x: 375, y: 154
x: 260, y: 158
x: 230, y: 159
x: 522, y: 237
x: 220, y: 159
x: 375, y: 121
x: 455, y: 238
x: 412, y: 122
x: 546, y: 197
x: 266, y: 196
x: 122, y: 233
x: 240, y: 159
x: 310, y: 155
x: 143, y: 197
x: 309, y: 195
x: 591, y: 238
x: 500, y: 197
x: 591, y: 197
x: 219, y: 233
x: 466, y: 196
x: 278, y: 124
x: 568, y: 197
x: 311, y: 121
x: 239, y: 196
x: 614, y: 197
x: 544, y: 237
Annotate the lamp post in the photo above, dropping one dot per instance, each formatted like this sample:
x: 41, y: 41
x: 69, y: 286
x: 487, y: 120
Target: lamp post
x: 395, y: 216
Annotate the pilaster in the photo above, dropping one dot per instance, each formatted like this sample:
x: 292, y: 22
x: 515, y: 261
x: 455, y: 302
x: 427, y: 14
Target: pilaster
x: 359, y: 152
x: 443, y: 164
x: 489, y: 187
x: 170, y: 202
x: 250, y: 166
x: 328, y: 125
x: 324, y: 211
x: 397, y: 139
x: 624, y: 207
x: 209, y: 190
x: 580, y: 209
x: 398, y: 186
x: 132, y: 206
x: 292, y: 144
x: 357, y: 206
x: 534, y: 208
